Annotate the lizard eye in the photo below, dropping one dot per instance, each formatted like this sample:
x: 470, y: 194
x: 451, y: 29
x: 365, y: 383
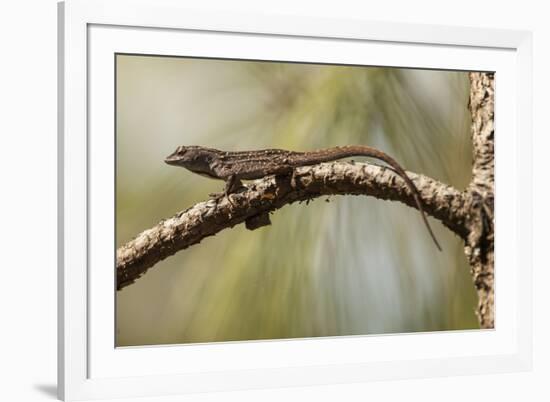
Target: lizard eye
x: 180, y: 150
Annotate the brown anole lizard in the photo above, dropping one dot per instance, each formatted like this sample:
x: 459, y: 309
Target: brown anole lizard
x: 232, y: 167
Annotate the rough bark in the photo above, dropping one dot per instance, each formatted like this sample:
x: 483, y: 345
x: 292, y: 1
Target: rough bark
x: 253, y: 205
x: 469, y: 213
x: 479, y: 247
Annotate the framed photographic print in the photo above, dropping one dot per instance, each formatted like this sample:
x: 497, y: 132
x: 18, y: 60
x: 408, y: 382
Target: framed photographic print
x: 253, y: 201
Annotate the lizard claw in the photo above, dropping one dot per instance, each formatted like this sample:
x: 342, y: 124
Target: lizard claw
x: 218, y: 196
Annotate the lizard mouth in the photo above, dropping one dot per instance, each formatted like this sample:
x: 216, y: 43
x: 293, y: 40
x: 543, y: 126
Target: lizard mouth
x: 172, y: 159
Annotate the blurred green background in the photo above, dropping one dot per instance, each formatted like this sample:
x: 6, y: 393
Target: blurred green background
x: 351, y: 266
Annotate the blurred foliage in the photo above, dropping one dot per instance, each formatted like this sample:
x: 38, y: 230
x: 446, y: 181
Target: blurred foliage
x: 349, y: 266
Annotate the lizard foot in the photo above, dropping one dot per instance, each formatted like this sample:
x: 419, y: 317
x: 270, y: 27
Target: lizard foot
x: 218, y: 196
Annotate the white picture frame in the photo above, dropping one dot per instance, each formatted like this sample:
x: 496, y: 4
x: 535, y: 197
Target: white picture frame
x: 90, y: 367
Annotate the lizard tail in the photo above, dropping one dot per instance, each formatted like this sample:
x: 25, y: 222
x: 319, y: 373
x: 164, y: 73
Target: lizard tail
x: 423, y: 214
x: 320, y: 156
x: 414, y: 190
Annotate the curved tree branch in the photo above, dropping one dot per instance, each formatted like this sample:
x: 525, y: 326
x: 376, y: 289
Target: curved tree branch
x: 253, y: 205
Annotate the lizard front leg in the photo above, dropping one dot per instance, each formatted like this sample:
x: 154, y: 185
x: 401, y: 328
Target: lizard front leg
x: 231, y: 184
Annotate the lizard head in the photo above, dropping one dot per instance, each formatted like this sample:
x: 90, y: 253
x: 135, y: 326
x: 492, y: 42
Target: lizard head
x: 179, y: 157
x: 194, y: 158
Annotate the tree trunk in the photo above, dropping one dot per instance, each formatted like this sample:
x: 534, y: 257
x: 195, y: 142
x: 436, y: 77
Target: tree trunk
x: 480, y: 194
